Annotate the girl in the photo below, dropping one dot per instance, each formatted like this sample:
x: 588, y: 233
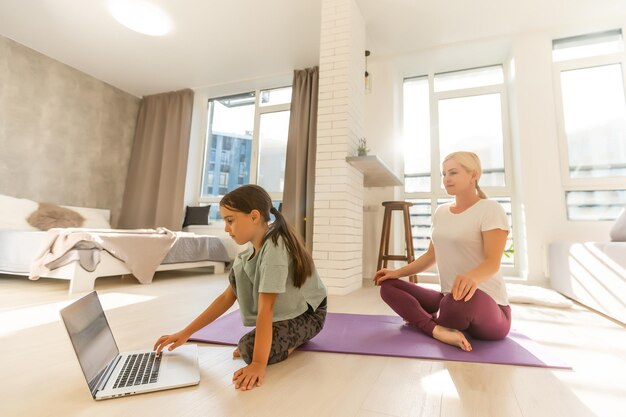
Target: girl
x: 274, y: 281
x: 468, y: 239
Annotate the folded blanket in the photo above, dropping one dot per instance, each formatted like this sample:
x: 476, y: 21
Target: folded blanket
x: 142, y: 250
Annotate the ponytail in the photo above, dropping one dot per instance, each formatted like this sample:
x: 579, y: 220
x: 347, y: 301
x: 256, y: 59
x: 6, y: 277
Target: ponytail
x: 480, y: 192
x: 252, y: 197
x: 303, y: 262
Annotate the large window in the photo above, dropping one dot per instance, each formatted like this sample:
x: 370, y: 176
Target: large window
x: 447, y: 112
x: 246, y: 143
x: 589, y: 79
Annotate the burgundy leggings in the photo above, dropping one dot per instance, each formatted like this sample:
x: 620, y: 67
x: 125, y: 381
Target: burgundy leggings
x: 481, y: 316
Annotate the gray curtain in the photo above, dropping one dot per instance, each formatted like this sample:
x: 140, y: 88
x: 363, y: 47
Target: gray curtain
x: 155, y: 184
x: 301, y: 147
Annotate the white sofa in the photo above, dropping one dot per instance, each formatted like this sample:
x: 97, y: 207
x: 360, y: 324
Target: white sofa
x: 593, y: 273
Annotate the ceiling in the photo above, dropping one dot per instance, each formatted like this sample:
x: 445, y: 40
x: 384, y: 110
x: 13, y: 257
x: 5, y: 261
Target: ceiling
x: 216, y: 42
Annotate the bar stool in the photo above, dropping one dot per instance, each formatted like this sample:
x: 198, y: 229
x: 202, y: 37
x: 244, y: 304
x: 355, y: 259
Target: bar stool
x: 383, y: 254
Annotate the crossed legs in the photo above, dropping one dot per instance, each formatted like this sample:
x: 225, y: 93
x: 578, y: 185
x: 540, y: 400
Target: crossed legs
x: 440, y: 316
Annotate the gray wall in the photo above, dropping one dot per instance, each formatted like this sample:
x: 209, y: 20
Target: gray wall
x: 65, y: 137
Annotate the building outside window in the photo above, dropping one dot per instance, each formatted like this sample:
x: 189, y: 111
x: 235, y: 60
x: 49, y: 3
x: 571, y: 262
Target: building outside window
x: 248, y: 133
x: 448, y: 112
x: 591, y: 112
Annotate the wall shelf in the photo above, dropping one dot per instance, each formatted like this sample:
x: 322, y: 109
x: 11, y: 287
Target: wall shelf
x: 375, y: 172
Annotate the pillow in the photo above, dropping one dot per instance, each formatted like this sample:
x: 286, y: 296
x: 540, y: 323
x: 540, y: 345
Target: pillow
x: 94, y: 218
x: 618, y: 231
x: 14, y: 211
x: 49, y: 215
x: 196, y: 215
x: 528, y: 294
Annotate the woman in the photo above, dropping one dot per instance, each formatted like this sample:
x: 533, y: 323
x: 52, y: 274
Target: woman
x: 467, y: 241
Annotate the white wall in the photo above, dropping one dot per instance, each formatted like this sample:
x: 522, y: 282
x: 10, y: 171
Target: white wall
x: 539, y: 194
x: 383, y: 107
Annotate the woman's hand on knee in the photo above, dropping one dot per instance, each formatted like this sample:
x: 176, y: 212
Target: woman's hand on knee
x: 464, y: 288
x: 383, y: 275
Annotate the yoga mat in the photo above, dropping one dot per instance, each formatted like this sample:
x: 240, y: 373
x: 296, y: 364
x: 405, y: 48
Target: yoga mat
x: 389, y: 336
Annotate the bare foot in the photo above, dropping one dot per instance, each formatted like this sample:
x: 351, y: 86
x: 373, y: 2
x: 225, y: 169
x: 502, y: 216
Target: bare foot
x: 452, y: 337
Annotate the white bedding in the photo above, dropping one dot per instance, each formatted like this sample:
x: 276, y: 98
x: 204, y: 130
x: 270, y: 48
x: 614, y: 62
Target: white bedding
x: 18, y: 248
x: 82, y: 267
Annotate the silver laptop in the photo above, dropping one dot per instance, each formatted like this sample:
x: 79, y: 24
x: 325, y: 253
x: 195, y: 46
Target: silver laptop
x: 110, y: 373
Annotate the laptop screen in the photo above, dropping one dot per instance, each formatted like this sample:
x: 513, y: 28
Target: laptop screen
x: 91, y: 336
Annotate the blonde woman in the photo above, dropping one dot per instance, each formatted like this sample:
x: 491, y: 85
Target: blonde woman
x: 468, y: 238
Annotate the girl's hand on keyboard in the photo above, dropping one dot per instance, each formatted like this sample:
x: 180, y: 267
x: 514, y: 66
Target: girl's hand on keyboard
x: 174, y: 340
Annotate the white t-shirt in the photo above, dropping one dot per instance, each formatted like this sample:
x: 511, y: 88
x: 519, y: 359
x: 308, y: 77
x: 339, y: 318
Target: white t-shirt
x: 458, y: 243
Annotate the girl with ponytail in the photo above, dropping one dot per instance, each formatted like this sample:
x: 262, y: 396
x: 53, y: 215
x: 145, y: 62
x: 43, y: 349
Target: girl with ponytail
x: 467, y: 242
x: 275, y: 282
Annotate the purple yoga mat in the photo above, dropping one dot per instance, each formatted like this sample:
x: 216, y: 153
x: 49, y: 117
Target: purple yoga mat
x: 389, y: 336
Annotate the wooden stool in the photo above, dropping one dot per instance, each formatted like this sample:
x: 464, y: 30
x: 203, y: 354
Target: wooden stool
x: 383, y: 254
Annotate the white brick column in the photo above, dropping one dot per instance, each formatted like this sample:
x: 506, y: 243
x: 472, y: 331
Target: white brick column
x: 338, y: 220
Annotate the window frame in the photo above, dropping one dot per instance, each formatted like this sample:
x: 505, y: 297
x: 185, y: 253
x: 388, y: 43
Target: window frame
x: 437, y: 191
x: 591, y: 183
x: 254, y: 157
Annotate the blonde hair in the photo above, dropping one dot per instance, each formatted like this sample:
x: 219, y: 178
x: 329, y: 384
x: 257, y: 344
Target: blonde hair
x: 471, y: 163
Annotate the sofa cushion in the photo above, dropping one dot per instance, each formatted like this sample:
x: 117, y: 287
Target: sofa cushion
x: 618, y: 231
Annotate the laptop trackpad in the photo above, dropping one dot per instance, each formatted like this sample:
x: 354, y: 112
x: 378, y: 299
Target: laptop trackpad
x: 183, y: 360
x: 180, y: 366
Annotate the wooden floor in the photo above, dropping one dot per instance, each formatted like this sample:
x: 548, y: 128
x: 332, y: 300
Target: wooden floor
x: 40, y: 375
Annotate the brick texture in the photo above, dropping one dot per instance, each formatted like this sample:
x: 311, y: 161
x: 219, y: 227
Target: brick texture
x: 338, y: 227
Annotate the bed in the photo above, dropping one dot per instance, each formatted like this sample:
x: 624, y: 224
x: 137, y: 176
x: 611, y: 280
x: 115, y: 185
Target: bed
x: 21, y: 244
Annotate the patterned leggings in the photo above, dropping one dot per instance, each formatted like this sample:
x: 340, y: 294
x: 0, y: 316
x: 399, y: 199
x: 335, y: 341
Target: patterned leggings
x: 424, y: 308
x: 287, y: 334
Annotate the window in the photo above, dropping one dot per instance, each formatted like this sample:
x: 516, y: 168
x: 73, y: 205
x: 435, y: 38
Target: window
x: 589, y: 79
x: 276, y: 96
x: 246, y: 143
x: 447, y: 112
x: 476, y: 122
x: 585, y: 46
x: 595, y: 205
x: 274, y: 128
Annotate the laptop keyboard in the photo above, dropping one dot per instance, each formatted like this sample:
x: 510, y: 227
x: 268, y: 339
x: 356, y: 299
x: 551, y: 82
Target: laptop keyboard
x: 139, y: 369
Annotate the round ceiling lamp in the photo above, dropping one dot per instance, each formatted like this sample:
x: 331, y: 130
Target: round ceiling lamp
x: 141, y: 16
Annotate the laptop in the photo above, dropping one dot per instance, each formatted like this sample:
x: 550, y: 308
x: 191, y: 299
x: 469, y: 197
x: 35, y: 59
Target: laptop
x: 111, y: 374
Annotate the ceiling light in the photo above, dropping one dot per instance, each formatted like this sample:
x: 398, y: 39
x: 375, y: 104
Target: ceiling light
x: 141, y: 16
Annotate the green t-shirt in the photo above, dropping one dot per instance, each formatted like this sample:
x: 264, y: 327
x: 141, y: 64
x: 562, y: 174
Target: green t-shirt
x: 271, y: 271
